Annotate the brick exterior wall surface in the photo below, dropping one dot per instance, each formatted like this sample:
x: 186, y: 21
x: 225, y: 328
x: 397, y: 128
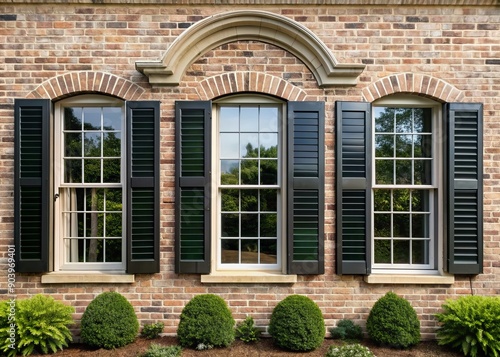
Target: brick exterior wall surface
x: 53, y: 51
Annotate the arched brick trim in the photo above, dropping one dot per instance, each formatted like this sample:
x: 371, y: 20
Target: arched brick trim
x: 246, y: 25
x: 414, y: 83
x: 234, y: 82
x: 87, y: 82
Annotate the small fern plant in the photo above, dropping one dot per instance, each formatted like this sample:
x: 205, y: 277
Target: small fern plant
x: 471, y: 324
x: 246, y: 330
x: 41, y: 324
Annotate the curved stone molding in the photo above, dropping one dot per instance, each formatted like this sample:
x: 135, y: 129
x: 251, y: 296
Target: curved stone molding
x: 84, y: 82
x: 234, y: 82
x: 263, y: 26
x: 414, y: 83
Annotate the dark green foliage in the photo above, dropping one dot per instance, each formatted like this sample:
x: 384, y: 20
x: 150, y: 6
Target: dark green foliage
x: 246, y: 331
x: 354, y: 350
x: 39, y: 323
x: 471, y: 324
x: 346, y: 330
x: 156, y: 350
x: 109, y: 322
x: 393, y: 322
x: 152, y: 330
x: 297, y: 324
x: 206, y: 320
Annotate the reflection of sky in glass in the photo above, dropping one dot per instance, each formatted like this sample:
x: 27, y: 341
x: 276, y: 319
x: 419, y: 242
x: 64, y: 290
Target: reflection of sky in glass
x: 112, y: 118
x: 229, y: 144
x: 92, y: 118
x: 228, y: 165
x: 228, y: 119
x: 268, y: 119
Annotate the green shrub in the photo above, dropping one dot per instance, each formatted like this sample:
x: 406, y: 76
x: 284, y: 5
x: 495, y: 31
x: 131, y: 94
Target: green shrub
x: 354, y: 350
x: 206, y: 321
x: 393, y: 322
x: 246, y: 330
x: 471, y: 324
x: 151, y: 331
x: 38, y: 323
x: 297, y: 324
x: 346, y: 330
x: 156, y: 350
x: 109, y: 322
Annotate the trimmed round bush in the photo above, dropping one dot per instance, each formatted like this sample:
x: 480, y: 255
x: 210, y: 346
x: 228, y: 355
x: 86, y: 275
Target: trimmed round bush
x: 297, y: 324
x: 393, y: 322
x: 109, y: 322
x: 206, y: 321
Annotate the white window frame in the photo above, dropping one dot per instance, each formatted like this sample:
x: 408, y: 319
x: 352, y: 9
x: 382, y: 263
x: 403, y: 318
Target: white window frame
x: 60, y: 260
x: 279, y: 267
x: 436, y: 204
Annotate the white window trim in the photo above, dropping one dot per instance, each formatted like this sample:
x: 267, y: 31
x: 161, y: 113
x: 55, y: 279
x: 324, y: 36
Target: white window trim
x: 389, y: 275
x: 60, y: 264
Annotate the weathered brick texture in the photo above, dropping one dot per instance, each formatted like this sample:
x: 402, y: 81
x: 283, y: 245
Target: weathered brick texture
x: 448, y: 53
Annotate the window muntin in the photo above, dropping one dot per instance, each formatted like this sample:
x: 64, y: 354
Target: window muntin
x: 404, y: 192
x: 89, y: 180
x: 249, y: 186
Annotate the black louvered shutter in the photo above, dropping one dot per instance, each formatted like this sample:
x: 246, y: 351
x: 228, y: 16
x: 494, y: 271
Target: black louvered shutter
x: 353, y: 168
x: 32, y: 190
x: 143, y: 183
x: 192, y: 186
x: 306, y: 172
x: 465, y: 188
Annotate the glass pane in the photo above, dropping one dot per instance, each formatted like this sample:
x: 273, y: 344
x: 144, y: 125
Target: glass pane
x: 382, y: 224
x: 268, y: 145
x: 92, y: 145
x: 249, y: 119
x: 268, y: 119
x: 382, y: 200
x: 94, y: 250
x: 113, y: 199
x: 113, y: 225
x: 112, y: 118
x: 230, y: 225
x: 269, y: 172
x: 401, y: 200
x: 384, y: 145
x: 74, y: 253
x: 422, y: 120
x: 420, y: 201
x: 230, y: 251
x: 249, y: 145
x: 384, y: 171
x: 268, y: 251
x: 423, y: 146
x: 403, y: 172
x: 94, y: 200
x: 228, y: 119
x: 229, y: 146
x: 113, y: 250
x: 249, y: 225
x: 404, y: 120
x: 420, y: 252
x: 422, y: 172
x: 382, y: 251
x: 269, y: 200
x: 403, y: 145
x: 94, y: 224
x: 384, y: 120
x: 249, y: 172
x: 111, y: 145
x: 268, y: 225
x: 73, y: 171
x: 249, y: 200
x: 230, y: 200
x: 229, y: 172
x: 250, y: 251
x: 401, y: 223
x: 111, y: 170
x: 73, y: 144
x: 401, y: 251
x: 92, y: 170
x: 420, y: 226
x: 73, y: 118
x: 92, y: 118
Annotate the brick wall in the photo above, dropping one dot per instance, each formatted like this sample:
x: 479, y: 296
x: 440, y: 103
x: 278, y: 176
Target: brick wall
x: 444, y: 52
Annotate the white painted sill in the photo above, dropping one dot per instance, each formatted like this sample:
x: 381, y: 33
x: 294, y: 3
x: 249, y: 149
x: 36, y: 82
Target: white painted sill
x: 409, y: 279
x: 245, y: 277
x: 88, y: 278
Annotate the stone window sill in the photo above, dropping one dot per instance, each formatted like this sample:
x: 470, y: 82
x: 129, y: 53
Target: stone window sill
x: 88, y: 278
x: 409, y: 279
x: 248, y: 278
